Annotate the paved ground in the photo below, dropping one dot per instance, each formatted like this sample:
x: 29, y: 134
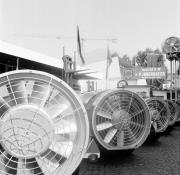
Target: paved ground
x: 160, y: 158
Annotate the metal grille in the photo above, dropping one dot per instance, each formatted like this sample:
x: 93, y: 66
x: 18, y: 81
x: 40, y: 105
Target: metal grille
x: 171, y: 44
x: 173, y: 112
x: 159, y: 114
x: 178, y: 109
x: 44, y: 127
x: 120, y: 120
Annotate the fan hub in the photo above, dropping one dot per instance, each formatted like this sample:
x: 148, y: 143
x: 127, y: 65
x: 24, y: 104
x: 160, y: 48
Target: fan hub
x: 155, y: 115
x: 26, y: 131
x: 120, y: 118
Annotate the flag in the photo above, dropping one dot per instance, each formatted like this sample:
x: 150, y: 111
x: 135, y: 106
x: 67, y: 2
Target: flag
x: 79, y: 49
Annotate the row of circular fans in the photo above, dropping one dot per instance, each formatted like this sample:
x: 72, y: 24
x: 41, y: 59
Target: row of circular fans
x: 44, y: 126
x: 122, y: 120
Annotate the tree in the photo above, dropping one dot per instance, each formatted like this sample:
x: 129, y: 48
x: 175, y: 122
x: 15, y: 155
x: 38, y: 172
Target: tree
x: 124, y: 61
x: 143, y: 59
x: 126, y: 58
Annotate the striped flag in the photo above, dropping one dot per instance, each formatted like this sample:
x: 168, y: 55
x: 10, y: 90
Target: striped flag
x: 79, y: 49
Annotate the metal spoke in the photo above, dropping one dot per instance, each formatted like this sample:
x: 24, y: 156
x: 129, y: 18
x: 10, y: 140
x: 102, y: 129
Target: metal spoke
x: 129, y: 105
x: 137, y: 124
x: 131, y: 135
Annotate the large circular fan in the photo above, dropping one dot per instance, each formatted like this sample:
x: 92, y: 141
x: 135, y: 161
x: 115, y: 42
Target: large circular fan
x: 173, y: 111
x: 119, y: 119
x: 171, y: 45
x: 159, y: 114
x: 43, y: 126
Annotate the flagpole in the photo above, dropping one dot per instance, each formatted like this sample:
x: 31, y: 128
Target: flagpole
x: 79, y: 47
x: 74, y: 60
x: 63, y: 49
x: 107, y: 65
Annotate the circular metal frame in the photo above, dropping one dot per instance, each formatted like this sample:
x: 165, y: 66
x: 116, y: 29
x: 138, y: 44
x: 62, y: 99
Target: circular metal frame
x: 171, y: 45
x: 178, y: 109
x: 173, y: 112
x: 44, y: 125
x: 159, y: 113
x: 120, y: 119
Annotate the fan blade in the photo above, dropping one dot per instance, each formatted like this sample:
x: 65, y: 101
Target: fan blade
x: 33, y: 166
x: 40, y: 93
x: 11, y: 164
x: 155, y: 125
x: 109, y: 136
x: 4, y: 106
x: 46, y: 166
x: 62, y: 148
x: 63, y: 137
x: 69, y: 115
x: 120, y: 138
x: 57, y: 106
x: 174, y: 48
x: 17, y: 92
x: 1, y: 149
x: 65, y: 126
x: 54, y: 157
x: 177, y: 44
x: 103, y: 126
x: 65, y: 133
x: 104, y: 114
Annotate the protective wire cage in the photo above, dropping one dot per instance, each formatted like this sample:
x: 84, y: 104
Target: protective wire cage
x: 159, y: 113
x: 43, y: 125
x: 119, y: 119
x: 173, y: 109
x: 178, y: 109
x: 171, y: 44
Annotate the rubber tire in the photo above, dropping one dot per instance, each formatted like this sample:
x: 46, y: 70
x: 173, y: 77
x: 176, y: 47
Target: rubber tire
x: 76, y: 172
x: 93, y: 158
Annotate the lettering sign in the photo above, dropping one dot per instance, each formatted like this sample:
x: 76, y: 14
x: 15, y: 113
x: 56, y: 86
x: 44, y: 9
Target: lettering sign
x: 145, y: 73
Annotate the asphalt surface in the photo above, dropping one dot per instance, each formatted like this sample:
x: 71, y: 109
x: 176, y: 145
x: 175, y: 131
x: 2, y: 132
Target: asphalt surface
x: 159, y: 158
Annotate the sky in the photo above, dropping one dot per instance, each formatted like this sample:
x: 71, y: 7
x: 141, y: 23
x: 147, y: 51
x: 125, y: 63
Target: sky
x: 136, y: 24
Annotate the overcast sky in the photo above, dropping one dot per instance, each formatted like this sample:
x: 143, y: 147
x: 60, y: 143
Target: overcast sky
x: 137, y: 24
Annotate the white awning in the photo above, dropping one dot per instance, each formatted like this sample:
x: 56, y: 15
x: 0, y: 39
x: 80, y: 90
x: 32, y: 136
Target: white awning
x: 28, y: 54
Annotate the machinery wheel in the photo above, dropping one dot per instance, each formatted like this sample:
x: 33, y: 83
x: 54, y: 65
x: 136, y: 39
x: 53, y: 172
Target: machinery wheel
x: 93, y: 158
